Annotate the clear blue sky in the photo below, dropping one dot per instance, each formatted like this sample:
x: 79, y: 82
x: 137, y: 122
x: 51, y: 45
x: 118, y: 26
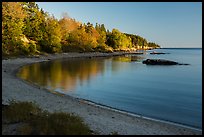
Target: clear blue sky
x: 170, y: 24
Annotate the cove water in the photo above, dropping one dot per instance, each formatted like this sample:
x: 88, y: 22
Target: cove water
x: 171, y: 93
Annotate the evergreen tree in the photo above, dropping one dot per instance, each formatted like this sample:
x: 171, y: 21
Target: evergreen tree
x: 34, y: 21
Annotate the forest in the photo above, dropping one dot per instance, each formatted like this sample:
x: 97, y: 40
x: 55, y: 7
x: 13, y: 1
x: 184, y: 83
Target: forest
x: 29, y: 30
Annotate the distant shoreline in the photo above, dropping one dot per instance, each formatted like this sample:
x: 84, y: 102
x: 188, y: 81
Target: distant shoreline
x: 99, y: 118
x: 181, y: 48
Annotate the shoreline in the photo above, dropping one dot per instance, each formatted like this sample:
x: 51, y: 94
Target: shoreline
x: 100, y: 118
x: 136, y: 115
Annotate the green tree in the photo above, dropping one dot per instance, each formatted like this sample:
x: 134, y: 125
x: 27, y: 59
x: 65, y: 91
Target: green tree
x: 118, y: 40
x: 33, y: 22
x: 12, y: 23
x: 89, y: 28
x: 153, y: 45
x: 102, y: 34
x: 51, y: 36
x: 138, y: 41
x: 81, y: 40
x: 103, y: 28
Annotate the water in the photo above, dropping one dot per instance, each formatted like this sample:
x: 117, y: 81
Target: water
x: 172, y: 93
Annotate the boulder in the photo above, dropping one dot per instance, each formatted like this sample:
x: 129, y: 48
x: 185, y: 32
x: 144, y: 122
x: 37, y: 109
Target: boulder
x: 161, y: 62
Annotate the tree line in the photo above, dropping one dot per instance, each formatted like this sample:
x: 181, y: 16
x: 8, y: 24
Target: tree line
x: 28, y: 29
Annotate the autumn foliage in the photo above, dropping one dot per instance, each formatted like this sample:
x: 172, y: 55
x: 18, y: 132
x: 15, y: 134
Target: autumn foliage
x: 27, y: 29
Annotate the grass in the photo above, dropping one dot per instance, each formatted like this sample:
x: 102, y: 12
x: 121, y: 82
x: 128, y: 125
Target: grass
x: 114, y: 133
x: 38, y: 122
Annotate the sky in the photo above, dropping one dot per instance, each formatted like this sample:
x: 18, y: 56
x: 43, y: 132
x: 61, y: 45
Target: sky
x: 169, y: 24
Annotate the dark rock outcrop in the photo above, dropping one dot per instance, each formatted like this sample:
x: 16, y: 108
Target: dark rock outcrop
x: 158, y: 53
x: 161, y: 62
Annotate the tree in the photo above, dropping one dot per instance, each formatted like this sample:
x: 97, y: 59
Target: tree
x: 27, y: 29
x: 67, y: 25
x: 12, y: 23
x: 97, y: 27
x: 34, y: 21
x: 89, y: 28
x: 140, y: 42
x: 103, y: 28
x: 102, y: 34
x: 118, y: 40
x: 52, y: 36
x: 82, y: 39
x: 153, y: 45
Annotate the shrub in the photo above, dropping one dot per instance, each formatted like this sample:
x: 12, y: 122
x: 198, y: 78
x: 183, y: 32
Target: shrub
x: 39, y: 122
x: 20, y: 111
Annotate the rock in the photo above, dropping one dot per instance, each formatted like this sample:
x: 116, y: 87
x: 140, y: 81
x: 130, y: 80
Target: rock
x: 158, y: 53
x: 161, y: 62
x: 183, y: 64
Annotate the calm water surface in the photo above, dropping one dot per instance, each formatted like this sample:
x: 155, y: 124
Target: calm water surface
x: 172, y: 93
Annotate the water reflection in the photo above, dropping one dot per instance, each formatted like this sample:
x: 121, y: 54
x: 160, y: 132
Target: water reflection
x: 129, y: 58
x: 66, y: 74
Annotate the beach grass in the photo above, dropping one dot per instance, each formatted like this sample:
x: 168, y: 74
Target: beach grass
x: 39, y: 122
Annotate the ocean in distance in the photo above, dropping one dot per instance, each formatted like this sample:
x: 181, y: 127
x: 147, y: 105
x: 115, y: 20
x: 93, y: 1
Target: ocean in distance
x: 170, y: 93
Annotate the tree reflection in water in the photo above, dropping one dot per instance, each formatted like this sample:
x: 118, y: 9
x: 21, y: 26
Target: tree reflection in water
x: 67, y: 73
